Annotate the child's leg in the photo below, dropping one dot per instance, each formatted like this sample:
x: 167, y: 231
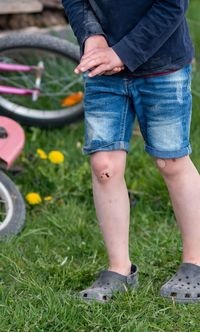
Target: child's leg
x: 112, y: 206
x: 183, y: 182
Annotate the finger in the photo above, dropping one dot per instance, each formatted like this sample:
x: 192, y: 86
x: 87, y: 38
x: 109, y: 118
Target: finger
x: 80, y: 68
x: 77, y: 70
x: 94, y: 50
x: 102, y: 73
x: 85, y: 55
x: 91, y: 57
x: 108, y: 73
x: 93, y: 62
x: 98, y: 52
x: 117, y: 69
x: 99, y: 70
x: 88, y: 63
x: 113, y: 71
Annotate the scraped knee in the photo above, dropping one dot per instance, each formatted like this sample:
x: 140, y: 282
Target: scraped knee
x: 102, y: 169
x: 161, y: 163
x: 169, y: 168
x: 106, y: 165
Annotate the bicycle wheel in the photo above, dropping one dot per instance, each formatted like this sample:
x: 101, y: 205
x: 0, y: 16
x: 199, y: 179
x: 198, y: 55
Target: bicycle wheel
x: 12, y: 208
x: 194, y: 30
x: 58, y: 79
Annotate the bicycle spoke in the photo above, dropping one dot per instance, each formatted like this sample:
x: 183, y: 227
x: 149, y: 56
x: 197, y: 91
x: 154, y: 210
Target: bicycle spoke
x: 58, y: 79
x: 2, y: 210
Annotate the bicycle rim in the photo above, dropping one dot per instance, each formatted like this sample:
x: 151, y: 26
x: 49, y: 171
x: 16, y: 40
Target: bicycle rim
x: 58, y: 82
x: 6, y: 207
x: 194, y: 31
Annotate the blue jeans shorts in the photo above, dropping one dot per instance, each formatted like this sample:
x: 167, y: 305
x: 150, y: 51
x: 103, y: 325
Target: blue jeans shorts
x: 162, y: 105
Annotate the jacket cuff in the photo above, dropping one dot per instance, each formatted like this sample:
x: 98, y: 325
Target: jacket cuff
x: 128, y: 54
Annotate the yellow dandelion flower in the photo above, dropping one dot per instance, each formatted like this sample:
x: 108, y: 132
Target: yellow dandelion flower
x: 56, y: 157
x: 33, y: 198
x: 41, y: 154
x: 48, y: 198
x: 78, y: 145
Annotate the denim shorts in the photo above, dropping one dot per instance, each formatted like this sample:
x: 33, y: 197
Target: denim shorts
x: 162, y: 105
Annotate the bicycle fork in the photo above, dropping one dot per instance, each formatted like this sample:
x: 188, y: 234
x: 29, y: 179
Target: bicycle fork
x: 35, y: 92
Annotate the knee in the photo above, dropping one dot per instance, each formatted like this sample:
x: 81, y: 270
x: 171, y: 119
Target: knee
x: 170, y: 168
x: 104, y: 167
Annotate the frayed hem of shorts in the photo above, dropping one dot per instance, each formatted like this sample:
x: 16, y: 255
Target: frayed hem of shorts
x: 169, y: 154
x: 114, y: 146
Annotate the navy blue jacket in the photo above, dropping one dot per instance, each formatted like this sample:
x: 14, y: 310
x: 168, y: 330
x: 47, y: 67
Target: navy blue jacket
x: 148, y: 35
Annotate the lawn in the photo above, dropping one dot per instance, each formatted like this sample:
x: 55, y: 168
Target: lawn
x: 61, y: 249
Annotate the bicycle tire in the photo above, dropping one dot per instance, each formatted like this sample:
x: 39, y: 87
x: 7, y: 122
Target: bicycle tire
x: 15, y: 207
x: 51, y: 44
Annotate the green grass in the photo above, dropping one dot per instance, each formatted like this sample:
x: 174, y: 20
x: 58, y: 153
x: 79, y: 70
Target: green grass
x: 61, y: 249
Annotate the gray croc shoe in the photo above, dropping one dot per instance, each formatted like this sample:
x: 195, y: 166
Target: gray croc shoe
x: 184, y: 286
x: 109, y: 283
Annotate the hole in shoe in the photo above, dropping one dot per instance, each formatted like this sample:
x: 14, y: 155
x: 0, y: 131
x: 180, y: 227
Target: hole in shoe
x: 104, y: 297
x: 198, y: 295
x: 179, y: 279
x: 85, y: 295
x: 173, y: 294
x: 187, y: 295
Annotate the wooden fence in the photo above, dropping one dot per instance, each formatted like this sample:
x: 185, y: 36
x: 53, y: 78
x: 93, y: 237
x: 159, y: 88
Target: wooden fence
x: 27, y: 6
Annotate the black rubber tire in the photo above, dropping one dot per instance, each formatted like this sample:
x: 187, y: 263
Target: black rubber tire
x: 17, y: 218
x: 52, y: 44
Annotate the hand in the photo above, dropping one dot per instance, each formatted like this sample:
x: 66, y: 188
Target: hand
x: 94, y: 42
x: 102, y: 60
x: 114, y: 71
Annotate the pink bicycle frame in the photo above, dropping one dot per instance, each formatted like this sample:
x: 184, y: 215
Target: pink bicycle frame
x: 6, y: 67
x: 12, y: 145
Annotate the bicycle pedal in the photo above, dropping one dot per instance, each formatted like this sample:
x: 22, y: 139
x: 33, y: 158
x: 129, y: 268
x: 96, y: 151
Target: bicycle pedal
x: 14, y: 170
x: 3, y: 133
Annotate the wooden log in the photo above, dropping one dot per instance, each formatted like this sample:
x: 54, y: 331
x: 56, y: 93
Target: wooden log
x: 20, y: 6
x: 52, y: 4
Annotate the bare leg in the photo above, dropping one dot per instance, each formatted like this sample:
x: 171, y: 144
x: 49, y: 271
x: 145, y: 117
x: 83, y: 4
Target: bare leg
x: 112, y: 206
x: 183, y: 182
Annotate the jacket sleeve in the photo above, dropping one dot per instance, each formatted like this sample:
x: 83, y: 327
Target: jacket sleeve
x: 151, y: 32
x: 82, y: 19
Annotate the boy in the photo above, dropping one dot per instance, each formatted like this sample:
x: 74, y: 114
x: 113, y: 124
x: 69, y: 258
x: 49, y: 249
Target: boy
x: 136, y: 61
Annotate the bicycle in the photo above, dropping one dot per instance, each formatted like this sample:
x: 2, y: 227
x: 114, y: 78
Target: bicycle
x: 12, y: 206
x: 37, y: 76
x: 40, y: 72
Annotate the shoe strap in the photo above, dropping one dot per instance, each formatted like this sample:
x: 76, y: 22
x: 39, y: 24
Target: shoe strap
x: 106, y: 275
